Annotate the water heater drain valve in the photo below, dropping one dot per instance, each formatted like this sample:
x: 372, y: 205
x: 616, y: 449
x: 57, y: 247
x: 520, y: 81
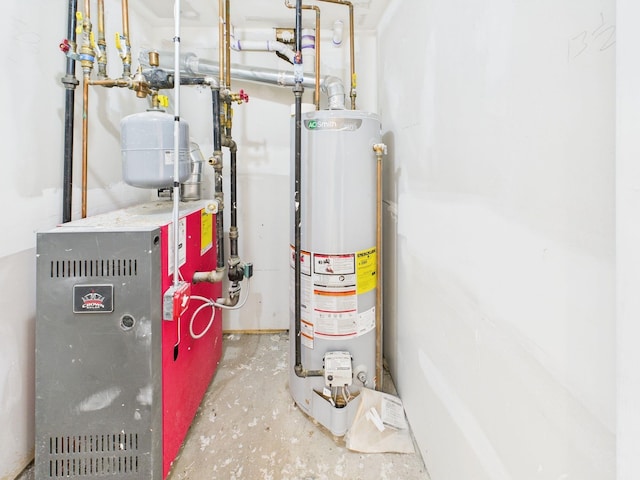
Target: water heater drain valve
x: 337, y: 369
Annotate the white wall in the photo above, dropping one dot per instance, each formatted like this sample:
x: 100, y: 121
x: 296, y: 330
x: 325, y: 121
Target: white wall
x: 31, y: 197
x: 628, y: 238
x: 499, y: 263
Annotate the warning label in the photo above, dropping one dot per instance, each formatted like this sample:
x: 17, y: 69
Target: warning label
x: 330, y: 285
x: 206, y: 231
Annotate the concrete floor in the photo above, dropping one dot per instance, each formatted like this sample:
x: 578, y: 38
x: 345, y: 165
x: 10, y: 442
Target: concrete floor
x: 248, y: 427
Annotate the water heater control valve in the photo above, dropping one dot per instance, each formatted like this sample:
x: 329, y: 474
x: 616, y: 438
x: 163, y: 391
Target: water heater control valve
x: 337, y: 369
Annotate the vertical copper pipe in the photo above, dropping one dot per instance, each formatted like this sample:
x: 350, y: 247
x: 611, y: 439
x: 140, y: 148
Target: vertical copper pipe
x: 227, y: 40
x: 352, y: 60
x: 100, y: 20
x: 379, y: 149
x: 221, y: 48
x: 102, y: 44
x: 316, y: 94
x: 85, y: 142
x: 126, y: 62
x: 125, y: 21
x: 85, y: 118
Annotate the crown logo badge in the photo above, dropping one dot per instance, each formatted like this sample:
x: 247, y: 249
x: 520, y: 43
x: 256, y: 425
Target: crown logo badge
x: 93, y: 301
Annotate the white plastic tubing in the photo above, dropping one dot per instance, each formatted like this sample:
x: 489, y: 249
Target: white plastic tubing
x: 176, y: 145
x: 262, y: 46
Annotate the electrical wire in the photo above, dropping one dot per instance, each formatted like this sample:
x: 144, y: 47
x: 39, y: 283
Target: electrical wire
x: 208, y: 302
x: 193, y: 317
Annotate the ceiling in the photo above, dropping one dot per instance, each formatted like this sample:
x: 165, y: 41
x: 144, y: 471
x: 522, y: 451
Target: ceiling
x: 261, y: 13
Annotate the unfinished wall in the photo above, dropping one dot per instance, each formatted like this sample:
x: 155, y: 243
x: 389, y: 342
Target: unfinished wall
x: 500, y: 312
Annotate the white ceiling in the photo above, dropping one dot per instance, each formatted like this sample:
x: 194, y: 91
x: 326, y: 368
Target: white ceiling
x: 261, y: 13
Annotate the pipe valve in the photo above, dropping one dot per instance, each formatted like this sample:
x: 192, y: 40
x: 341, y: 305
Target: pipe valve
x: 240, y: 97
x: 65, y: 46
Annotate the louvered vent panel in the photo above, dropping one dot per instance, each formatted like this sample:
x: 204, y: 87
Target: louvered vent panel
x: 94, y: 268
x: 81, y: 456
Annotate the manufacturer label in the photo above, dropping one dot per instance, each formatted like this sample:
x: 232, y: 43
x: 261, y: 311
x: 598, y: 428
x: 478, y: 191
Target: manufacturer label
x: 340, y: 124
x: 92, y: 298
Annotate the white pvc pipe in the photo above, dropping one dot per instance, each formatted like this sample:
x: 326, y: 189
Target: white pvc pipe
x: 176, y: 145
x: 262, y: 46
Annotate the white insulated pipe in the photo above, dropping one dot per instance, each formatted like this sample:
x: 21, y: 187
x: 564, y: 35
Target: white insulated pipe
x: 176, y: 145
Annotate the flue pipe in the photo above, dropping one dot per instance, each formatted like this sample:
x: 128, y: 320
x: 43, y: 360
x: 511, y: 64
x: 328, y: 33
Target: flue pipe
x: 352, y: 61
x: 380, y: 149
x: 316, y: 93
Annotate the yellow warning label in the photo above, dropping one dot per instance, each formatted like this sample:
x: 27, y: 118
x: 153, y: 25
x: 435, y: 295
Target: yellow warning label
x: 206, y: 231
x: 366, y: 270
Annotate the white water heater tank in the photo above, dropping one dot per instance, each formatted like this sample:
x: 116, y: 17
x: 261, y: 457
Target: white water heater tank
x: 147, y: 150
x: 338, y: 260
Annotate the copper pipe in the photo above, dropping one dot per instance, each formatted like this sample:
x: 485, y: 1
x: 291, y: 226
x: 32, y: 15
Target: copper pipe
x: 316, y: 94
x: 352, y: 60
x: 221, y: 49
x: 87, y: 8
x: 85, y: 141
x: 126, y: 61
x: 125, y: 20
x: 380, y: 149
x: 102, y: 44
x: 110, y: 82
x: 227, y: 40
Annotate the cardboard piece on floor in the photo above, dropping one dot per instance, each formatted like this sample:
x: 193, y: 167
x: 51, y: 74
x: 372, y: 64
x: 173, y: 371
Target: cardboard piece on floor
x: 379, y: 425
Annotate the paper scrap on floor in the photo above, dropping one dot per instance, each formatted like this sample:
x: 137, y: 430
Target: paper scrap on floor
x: 379, y: 425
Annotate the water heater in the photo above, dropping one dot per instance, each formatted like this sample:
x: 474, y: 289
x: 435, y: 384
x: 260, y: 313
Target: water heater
x: 116, y: 385
x: 338, y: 264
